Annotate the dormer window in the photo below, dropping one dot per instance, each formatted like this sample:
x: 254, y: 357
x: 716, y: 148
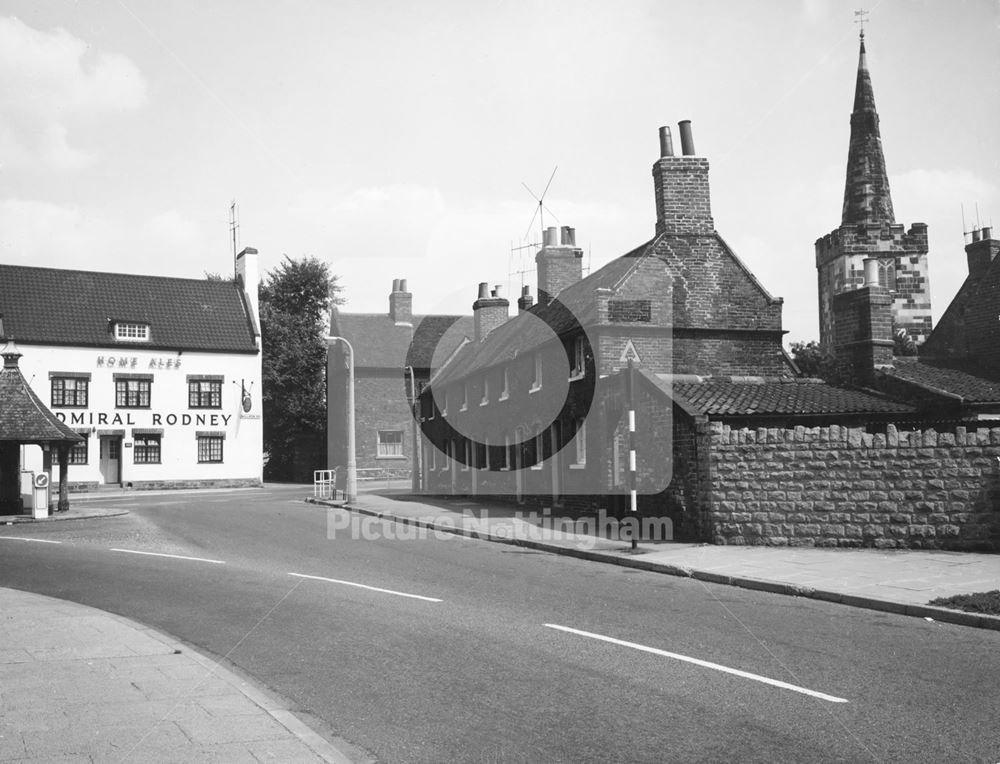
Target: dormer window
x: 130, y: 331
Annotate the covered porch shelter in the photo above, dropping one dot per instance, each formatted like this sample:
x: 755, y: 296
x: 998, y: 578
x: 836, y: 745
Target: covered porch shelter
x: 25, y: 420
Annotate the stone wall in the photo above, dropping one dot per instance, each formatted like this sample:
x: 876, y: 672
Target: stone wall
x: 838, y: 486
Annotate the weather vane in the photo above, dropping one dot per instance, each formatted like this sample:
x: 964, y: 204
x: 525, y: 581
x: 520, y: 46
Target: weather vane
x: 860, y: 20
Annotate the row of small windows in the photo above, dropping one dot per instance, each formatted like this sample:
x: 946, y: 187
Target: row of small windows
x: 73, y: 392
x: 486, y: 456
x: 146, y: 449
x: 578, y: 371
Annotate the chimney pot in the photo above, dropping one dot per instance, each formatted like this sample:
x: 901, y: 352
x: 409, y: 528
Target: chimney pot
x: 687, y: 139
x: 568, y: 236
x: 666, y: 143
x: 975, y: 235
x: 987, y: 233
x: 402, y: 285
x: 484, y: 290
x: 871, y: 272
x: 395, y: 285
x: 498, y: 291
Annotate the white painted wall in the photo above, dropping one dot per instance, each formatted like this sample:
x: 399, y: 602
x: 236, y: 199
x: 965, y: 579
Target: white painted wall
x: 243, y: 447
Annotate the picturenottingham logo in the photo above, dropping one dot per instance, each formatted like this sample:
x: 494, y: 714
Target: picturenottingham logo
x: 537, y: 404
x: 579, y: 532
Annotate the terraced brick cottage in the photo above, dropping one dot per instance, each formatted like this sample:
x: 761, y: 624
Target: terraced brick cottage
x: 160, y: 376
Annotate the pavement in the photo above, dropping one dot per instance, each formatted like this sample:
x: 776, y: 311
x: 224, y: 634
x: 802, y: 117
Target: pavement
x: 895, y: 581
x: 81, y: 685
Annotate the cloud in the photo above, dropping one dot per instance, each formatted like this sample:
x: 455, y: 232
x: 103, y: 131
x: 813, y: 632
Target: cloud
x: 71, y: 236
x: 53, y: 82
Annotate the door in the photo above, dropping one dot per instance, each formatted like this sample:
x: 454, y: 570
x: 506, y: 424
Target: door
x: 111, y: 460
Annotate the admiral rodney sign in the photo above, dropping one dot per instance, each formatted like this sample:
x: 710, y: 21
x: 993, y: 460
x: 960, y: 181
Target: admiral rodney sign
x: 128, y: 418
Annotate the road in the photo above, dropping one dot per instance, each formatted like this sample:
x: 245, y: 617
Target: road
x: 459, y: 650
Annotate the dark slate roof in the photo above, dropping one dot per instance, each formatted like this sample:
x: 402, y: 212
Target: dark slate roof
x: 946, y: 380
x: 381, y: 344
x: 60, y: 307
x: 535, y: 326
x: 764, y: 396
x: 23, y: 416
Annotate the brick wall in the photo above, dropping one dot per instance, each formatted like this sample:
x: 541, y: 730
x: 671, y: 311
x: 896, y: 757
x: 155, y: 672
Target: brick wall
x: 683, y: 201
x: 836, y: 486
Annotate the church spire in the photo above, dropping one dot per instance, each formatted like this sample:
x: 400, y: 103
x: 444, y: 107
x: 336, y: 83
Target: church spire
x: 866, y: 192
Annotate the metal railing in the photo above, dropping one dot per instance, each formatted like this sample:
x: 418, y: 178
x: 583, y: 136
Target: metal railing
x: 325, y: 486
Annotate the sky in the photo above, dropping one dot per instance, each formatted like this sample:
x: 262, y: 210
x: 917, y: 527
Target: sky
x: 397, y: 139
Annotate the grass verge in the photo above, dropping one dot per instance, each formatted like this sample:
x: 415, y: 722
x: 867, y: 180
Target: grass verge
x: 980, y: 602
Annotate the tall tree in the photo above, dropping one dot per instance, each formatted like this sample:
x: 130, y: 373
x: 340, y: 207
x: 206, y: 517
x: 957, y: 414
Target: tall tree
x: 295, y: 302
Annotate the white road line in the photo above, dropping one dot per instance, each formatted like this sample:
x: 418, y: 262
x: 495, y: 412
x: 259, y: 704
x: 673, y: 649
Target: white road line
x: 704, y: 664
x: 365, y: 586
x: 23, y: 538
x: 172, y: 556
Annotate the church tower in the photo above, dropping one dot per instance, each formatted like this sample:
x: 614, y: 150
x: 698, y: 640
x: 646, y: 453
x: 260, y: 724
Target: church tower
x: 868, y: 230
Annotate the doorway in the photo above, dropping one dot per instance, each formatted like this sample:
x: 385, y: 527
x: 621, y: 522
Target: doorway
x: 111, y: 454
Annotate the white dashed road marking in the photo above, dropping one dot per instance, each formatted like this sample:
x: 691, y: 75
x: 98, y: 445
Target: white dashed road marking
x: 172, y: 556
x: 37, y: 541
x: 703, y: 664
x: 365, y: 586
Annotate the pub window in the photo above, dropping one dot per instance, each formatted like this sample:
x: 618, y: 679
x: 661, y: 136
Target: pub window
x: 205, y: 394
x: 132, y: 393
x: 131, y: 331
x: 70, y: 392
x: 390, y: 444
x: 79, y: 453
x: 146, y: 449
x: 210, y: 449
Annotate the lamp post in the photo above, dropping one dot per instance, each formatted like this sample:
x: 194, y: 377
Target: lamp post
x: 352, y: 465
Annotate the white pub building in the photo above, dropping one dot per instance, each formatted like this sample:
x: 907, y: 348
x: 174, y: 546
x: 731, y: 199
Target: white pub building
x: 161, y: 376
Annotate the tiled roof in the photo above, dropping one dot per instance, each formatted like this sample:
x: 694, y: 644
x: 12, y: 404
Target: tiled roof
x: 62, y: 307
x: 23, y: 416
x: 381, y: 344
x: 945, y: 380
x: 749, y: 396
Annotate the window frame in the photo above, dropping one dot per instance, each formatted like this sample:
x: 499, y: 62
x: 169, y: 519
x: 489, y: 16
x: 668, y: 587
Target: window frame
x: 580, y: 445
x: 78, y: 381
x: 380, y: 444
x: 209, y: 442
x: 123, y: 395
x: 76, y: 448
x: 147, y: 449
x: 536, y: 382
x: 197, y: 395
x: 579, y: 369
x: 131, y: 331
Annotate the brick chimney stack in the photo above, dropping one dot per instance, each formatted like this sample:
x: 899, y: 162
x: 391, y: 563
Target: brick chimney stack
x: 863, y: 328
x: 683, y: 201
x: 524, y: 302
x: 981, y: 251
x: 559, y: 262
x: 489, y: 311
x: 400, y: 304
